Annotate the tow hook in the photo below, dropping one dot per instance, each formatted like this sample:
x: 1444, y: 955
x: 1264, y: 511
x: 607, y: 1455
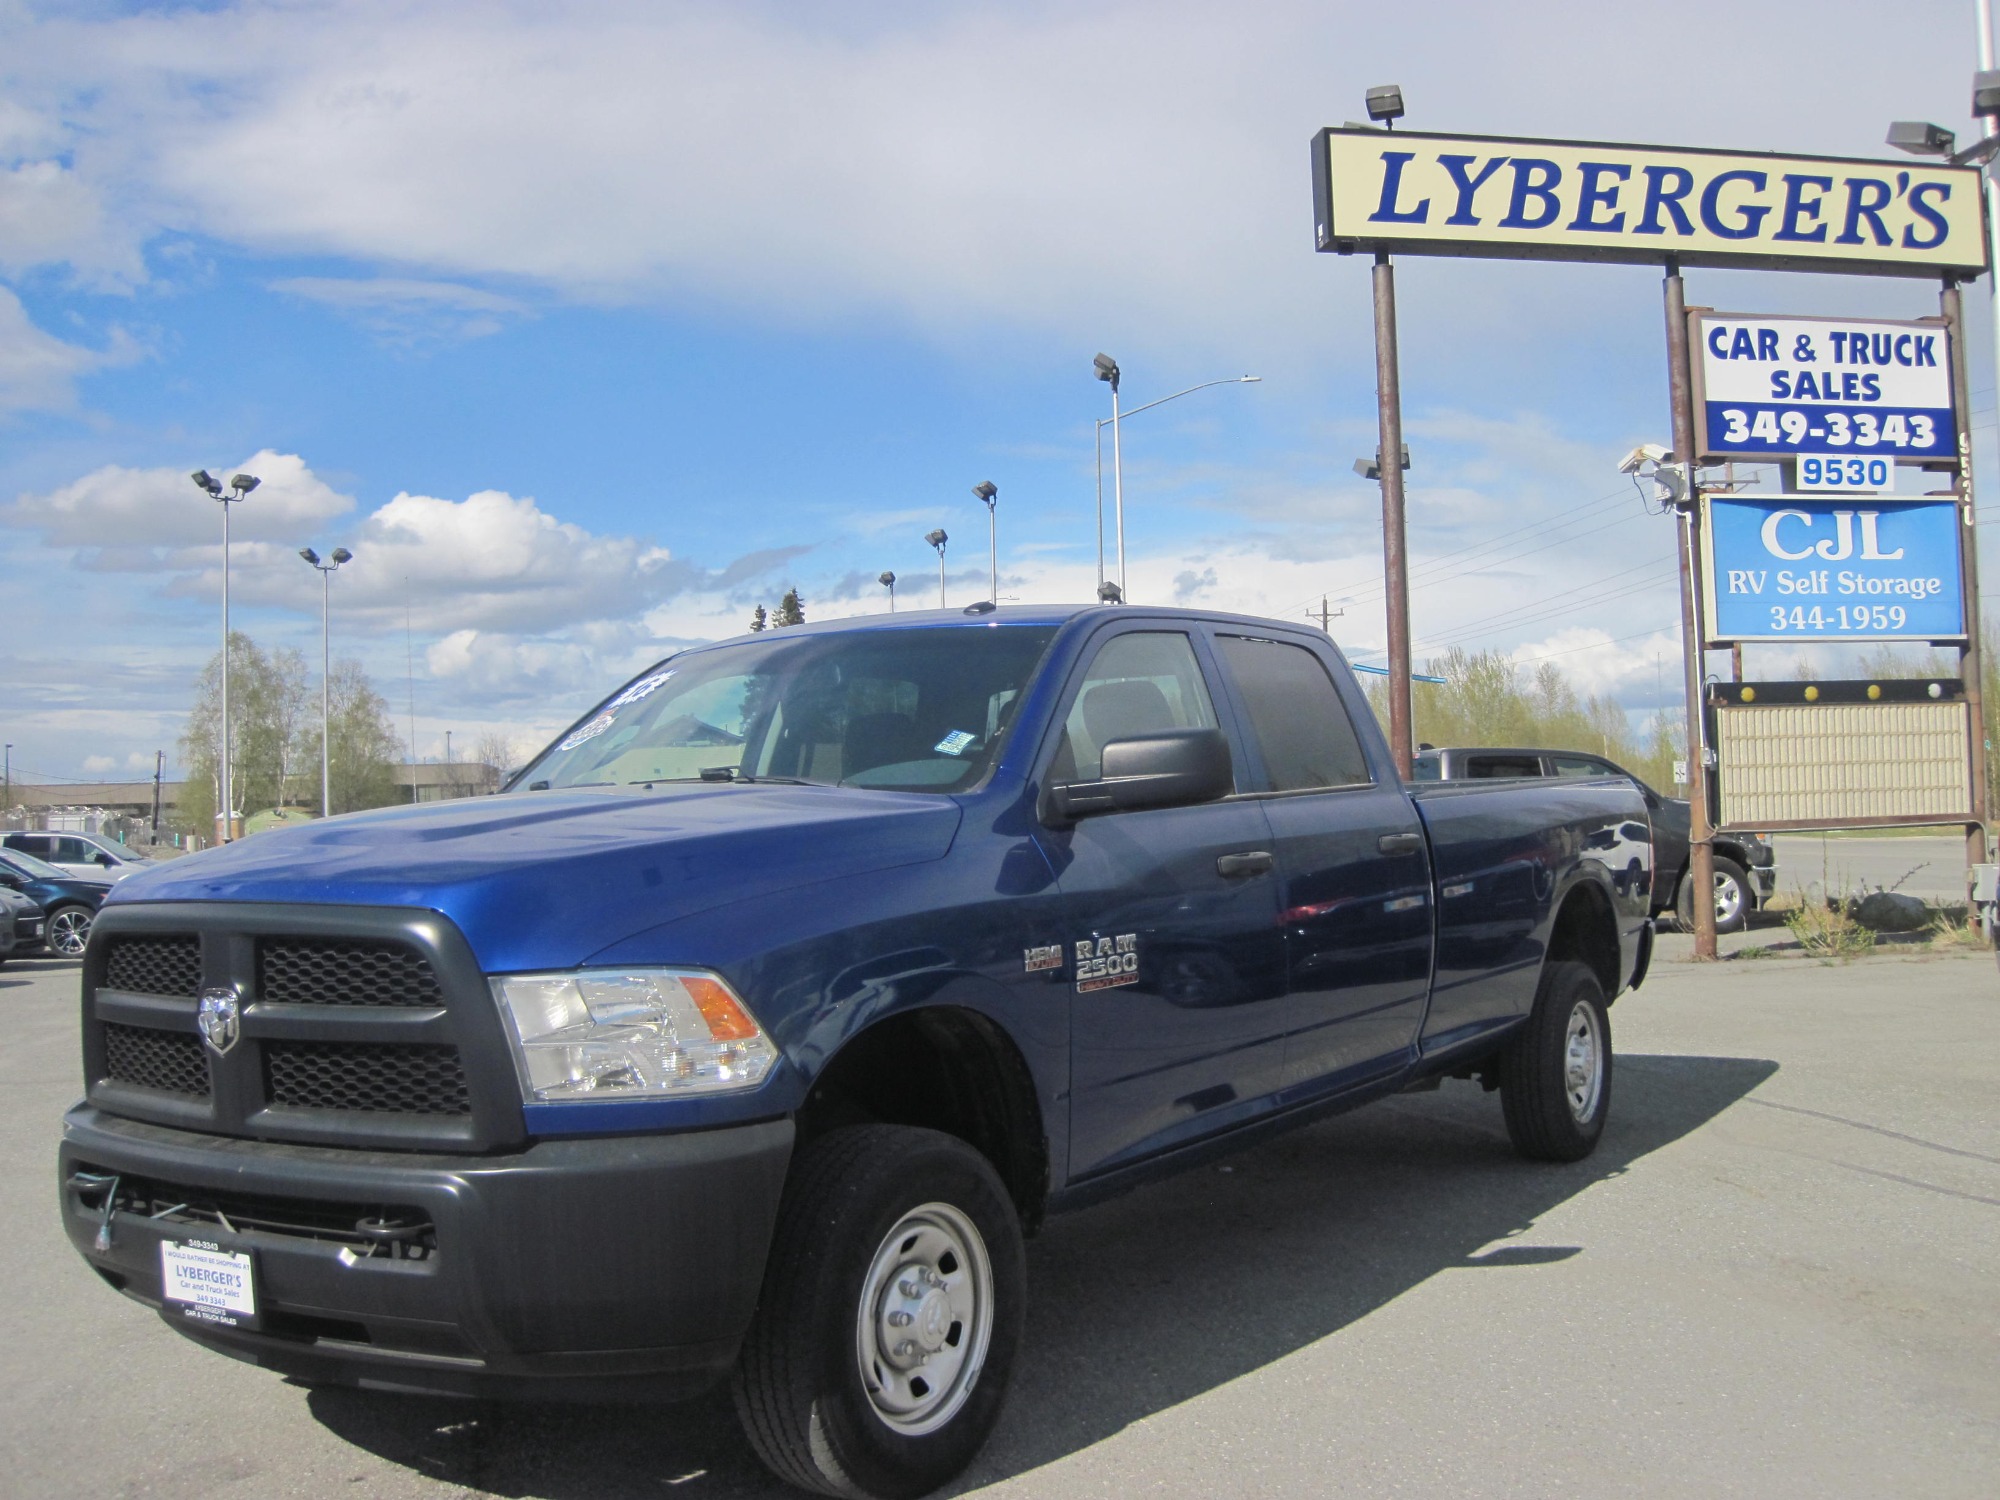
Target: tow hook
x: 86, y: 1185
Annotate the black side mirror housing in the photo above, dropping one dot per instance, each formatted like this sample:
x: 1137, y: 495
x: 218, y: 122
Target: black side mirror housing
x: 1174, y: 768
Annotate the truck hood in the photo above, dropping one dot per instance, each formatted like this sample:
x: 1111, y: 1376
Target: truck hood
x: 547, y: 879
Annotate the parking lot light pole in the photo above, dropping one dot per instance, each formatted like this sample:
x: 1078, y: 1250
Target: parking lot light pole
x: 937, y: 539
x: 326, y: 570
x: 888, y: 581
x: 240, y: 485
x: 989, y: 492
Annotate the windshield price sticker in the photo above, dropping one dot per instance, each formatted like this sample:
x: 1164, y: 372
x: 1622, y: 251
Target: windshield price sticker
x: 208, y: 1284
x: 1796, y: 567
x: 1782, y: 387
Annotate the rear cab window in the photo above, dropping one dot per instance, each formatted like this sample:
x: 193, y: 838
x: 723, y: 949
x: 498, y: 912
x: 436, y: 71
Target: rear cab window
x: 1296, y: 719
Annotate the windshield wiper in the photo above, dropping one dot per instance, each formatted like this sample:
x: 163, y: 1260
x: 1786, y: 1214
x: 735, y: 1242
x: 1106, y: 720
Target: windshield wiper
x: 720, y: 774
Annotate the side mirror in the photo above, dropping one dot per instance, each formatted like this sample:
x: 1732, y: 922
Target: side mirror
x: 104, y: 859
x: 1174, y: 768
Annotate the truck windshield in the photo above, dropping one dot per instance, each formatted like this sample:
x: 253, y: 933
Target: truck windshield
x: 922, y: 709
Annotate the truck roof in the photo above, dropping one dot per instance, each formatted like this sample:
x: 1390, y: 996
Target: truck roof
x: 1012, y: 614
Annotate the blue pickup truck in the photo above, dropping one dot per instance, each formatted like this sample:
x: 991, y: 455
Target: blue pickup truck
x: 752, y: 1030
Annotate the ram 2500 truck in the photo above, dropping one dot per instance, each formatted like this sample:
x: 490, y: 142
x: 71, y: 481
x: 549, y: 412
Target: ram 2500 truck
x: 748, y: 1034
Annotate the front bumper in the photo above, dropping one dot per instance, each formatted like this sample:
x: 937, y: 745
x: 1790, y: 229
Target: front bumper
x: 586, y: 1268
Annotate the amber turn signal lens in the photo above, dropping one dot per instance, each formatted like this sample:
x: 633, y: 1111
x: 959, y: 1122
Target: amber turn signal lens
x: 727, y: 1020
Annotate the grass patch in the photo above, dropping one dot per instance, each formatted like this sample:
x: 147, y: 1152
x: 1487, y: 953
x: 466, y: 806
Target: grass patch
x: 1826, y: 932
x: 1955, y: 929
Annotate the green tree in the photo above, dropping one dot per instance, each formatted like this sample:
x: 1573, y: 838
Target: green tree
x: 268, y: 694
x: 791, y: 610
x: 757, y: 618
x: 366, y: 749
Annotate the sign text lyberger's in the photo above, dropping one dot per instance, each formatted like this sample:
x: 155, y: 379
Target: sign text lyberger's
x: 1567, y: 200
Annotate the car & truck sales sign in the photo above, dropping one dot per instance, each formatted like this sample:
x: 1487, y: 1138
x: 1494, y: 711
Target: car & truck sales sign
x: 1799, y: 567
x: 1573, y: 200
x: 1850, y: 388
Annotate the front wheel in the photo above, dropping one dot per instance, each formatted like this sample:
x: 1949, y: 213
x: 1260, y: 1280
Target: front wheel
x: 1555, y: 1071
x: 68, y: 932
x: 882, y: 1344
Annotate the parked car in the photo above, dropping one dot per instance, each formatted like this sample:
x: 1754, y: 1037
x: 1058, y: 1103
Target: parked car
x: 20, y: 924
x: 1746, y: 866
x: 81, y: 854
x: 747, y: 1037
x: 71, y: 902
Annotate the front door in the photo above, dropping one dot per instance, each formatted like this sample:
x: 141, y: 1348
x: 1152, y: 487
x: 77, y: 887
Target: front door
x: 1171, y: 941
x: 1353, y: 863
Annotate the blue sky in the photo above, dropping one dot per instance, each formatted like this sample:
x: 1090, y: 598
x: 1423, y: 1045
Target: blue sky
x: 589, y: 328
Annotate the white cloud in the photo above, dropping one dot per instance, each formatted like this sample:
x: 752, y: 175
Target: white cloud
x: 403, y: 311
x: 38, y: 371
x: 128, y: 514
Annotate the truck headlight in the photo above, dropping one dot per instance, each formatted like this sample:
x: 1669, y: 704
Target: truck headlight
x: 630, y: 1034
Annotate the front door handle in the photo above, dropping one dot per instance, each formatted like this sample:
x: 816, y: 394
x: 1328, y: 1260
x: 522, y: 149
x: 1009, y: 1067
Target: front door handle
x: 1251, y: 862
x: 1401, y: 843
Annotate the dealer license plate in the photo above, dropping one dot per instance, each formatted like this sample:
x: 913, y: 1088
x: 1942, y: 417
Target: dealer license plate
x: 209, y: 1284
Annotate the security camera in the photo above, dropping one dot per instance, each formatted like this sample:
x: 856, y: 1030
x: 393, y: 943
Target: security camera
x: 1640, y: 456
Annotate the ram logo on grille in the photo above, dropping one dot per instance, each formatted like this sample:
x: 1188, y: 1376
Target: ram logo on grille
x: 220, y: 1019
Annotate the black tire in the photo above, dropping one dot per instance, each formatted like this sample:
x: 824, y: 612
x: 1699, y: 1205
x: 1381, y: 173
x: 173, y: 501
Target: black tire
x: 1539, y: 1091
x: 1732, y: 897
x: 801, y: 1394
x: 67, y: 931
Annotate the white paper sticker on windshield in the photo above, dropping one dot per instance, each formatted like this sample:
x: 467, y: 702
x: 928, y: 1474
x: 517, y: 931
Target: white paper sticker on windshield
x: 640, y: 689
x: 954, y: 743
x: 589, y: 731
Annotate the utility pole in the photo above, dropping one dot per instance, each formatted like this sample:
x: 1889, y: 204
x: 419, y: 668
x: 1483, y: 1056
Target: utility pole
x: 159, y: 767
x: 1951, y: 304
x: 1325, y: 615
x: 1680, y: 384
x: 1395, y: 555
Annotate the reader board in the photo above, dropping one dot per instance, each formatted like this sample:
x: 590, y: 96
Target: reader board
x: 1427, y: 194
x: 1851, y: 388
x: 1812, y: 567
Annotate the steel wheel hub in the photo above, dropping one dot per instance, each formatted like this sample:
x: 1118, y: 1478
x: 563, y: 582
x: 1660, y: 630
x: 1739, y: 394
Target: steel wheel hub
x: 1583, y: 1062
x: 925, y: 1319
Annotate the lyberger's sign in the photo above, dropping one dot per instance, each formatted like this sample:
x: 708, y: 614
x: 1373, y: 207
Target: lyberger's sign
x: 1568, y: 200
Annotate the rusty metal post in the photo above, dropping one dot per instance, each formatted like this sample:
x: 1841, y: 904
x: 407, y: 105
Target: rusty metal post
x: 1680, y: 385
x: 1395, y: 557
x: 1970, y: 670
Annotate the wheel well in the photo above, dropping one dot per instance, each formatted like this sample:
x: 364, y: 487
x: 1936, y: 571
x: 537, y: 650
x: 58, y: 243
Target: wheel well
x: 948, y: 1069
x: 1586, y: 930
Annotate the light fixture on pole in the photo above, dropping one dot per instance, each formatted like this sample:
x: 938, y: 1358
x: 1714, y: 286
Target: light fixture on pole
x: 1107, y: 371
x: 1385, y: 104
x: 240, y: 485
x: 989, y: 492
x: 1112, y: 593
x: 340, y: 555
x: 937, y: 539
x: 888, y: 581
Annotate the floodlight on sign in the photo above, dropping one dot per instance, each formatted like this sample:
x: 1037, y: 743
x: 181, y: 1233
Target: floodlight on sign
x: 1986, y: 93
x: 1921, y: 138
x: 1385, y: 103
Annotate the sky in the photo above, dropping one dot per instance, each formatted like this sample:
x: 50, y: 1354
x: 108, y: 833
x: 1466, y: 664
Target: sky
x: 589, y: 328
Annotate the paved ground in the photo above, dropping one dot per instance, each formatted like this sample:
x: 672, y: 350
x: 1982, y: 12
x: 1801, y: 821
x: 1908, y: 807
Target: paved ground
x: 1931, y: 867
x: 1775, y: 1278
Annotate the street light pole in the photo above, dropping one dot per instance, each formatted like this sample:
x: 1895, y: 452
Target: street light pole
x: 1107, y: 371
x: 937, y: 539
x: 888, y: 581
x: 989, y: 492
x: 325, y: 569
x: 240, y: 485
x: 1113, y: 422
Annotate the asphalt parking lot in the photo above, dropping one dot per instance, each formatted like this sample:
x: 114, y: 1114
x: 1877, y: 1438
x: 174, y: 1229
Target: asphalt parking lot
x: 1776, y: 1277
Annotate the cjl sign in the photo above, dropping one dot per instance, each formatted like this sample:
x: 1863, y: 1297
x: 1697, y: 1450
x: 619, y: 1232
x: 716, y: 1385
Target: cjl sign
x: 1796, y: 567
x: 1785, y: 386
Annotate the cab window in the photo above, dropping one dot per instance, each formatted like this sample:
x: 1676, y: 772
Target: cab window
x: 1500, y: 767
x: 1300, y: 725
x: 1580, y: 765
x: 1137, y: 684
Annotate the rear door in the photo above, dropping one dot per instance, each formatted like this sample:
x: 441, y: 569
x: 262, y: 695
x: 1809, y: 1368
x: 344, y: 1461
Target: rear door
x: 1170, y: 937
x: 1355, y: 879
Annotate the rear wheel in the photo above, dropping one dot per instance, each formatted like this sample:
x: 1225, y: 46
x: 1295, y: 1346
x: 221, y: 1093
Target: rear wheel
x: 68, y: 931
x: 1555, y: 1072
x: 882, y: 1344
x: 1732, y: 897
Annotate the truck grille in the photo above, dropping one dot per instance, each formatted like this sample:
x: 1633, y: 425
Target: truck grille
x: 361, y: 1027
x: 155, y: 965
x: 404, y: 1079
x: 293, y: 971
x: 173, y: 1062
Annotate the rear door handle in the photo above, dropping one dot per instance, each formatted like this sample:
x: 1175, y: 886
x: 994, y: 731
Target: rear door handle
x: 1401, y: 843
x: 1251, y: 862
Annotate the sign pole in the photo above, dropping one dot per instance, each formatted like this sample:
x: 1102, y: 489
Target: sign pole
x: 1680, y: 385
x: 1951, y: 305
x: 1395, y: 558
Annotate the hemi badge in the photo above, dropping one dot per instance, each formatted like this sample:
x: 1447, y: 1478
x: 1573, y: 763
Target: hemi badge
x: 1403, y: 903
x: 1035, y: 960
x: 1463, y: 888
